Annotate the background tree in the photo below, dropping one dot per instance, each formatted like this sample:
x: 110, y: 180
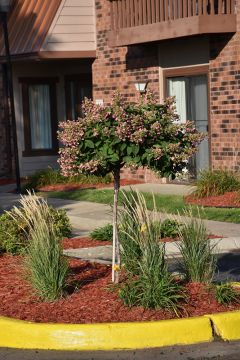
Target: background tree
x: 145, y: 134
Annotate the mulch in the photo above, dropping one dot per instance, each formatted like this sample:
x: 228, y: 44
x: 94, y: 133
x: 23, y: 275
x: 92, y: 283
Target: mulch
x: 227, y: 200
x: 91, y: 297
x: 85, y: 242
x: 72, y: 187
x: 82, y: 242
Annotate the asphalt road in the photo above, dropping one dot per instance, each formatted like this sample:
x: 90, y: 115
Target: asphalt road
x: 213, y: 351
x: 228, y: 267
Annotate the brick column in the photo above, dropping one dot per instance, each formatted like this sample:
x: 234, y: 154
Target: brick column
x: 224, y: 81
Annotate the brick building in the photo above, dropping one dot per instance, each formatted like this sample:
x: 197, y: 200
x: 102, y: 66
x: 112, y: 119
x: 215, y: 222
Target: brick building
x: 189, y: 49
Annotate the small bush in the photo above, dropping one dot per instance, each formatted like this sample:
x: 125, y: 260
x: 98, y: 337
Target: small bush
x: 150, y: 284
x: 216, y: 182
x: 12, y: 239
x: 45, y: 266
x: 12, y: 233
x: 103, y: 233
x: 225, y: 294
x: 198, y: 260
x: 170, y: 228
x: 61, y: 222
x: 52, y: 177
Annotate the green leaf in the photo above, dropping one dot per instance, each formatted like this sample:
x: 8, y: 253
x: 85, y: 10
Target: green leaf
x: 127, y: 159
x: 89, y: 144
x: 114, y: 158
x: 123, y: 146
x: 129, y: 150
x: 137, y: 159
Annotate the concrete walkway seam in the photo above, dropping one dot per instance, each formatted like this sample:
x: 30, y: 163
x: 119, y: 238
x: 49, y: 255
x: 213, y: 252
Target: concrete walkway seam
x: 111, y: 336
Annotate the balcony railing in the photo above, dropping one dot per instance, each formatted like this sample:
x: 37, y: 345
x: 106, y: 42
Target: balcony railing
x: 172, y: 18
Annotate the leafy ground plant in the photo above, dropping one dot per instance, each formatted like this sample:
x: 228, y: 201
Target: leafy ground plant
x: 198, y: 253
x: 45, y: 265
x: 169, y: 228
x: 13, y: 237
x: 226, y: 294
x: 216, y: 182
x: 149, y: 283
x: 103, y: 233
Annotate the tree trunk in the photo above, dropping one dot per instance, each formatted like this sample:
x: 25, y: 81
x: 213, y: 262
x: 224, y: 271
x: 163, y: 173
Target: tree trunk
x: 116, y: 247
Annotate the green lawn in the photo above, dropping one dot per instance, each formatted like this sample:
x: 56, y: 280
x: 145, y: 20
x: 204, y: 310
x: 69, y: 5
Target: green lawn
x: 167, y: 203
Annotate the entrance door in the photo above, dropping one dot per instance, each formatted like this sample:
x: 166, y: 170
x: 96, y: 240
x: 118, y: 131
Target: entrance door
x: 191, y: 94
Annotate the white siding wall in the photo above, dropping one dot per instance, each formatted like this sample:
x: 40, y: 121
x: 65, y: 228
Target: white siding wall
x: 73, y: 28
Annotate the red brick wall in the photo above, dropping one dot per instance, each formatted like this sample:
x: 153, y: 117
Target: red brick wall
x: 224, y: 78
x: 119, y: 68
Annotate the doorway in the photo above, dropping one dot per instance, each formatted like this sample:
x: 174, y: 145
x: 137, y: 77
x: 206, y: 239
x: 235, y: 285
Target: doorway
x: 191, y: 93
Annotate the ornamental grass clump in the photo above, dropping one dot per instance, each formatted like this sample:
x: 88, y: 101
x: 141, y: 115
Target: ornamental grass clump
x: 216, y: 182
x: 149, y: 282
x: 198, y: 253
x: 45, y: 265
x: 226, y: 294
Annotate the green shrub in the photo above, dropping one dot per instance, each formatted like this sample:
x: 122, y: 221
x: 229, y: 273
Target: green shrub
x: 198, y: 260
x: 45, y: 265
x: 12, y: 233
x: 61, y: 222
x: 103, y: 233
x: 150, y: 284
x: 170, y: 228
x: 12, y: 239
x: 216, y: 182
x: 52, y: 177
x: 225, y: 294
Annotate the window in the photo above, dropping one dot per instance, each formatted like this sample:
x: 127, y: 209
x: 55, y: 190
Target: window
x: 191, y: 92
x: 77, y: 88
x: 40, y: 116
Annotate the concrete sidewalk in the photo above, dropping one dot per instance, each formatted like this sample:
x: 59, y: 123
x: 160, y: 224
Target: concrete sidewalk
x: 86, y: 216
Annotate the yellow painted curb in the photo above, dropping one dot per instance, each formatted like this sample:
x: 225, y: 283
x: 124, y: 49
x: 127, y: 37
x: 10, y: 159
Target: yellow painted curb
x: 26, y: 335
x: 226, y: 325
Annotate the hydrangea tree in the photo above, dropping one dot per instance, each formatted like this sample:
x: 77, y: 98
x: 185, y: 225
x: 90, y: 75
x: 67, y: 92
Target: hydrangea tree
x: 107, y: 138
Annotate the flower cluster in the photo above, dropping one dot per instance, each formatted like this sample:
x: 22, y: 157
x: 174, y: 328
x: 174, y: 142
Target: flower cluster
x: 71, y: 132
x: 68, y: 161
x: 90, y: 167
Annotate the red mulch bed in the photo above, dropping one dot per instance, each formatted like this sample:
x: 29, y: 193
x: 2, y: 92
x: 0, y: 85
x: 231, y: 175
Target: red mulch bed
x: 82, y: 242
x: 72, y: 187
x: 90, y: 297
x: 227, y: 200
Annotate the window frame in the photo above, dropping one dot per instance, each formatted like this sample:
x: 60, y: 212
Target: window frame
x: 51, y: 82
x: 85, y: 79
